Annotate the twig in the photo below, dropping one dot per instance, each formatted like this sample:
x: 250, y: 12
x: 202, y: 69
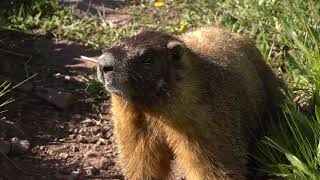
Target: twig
x: 89, y: 59
x: 14, y: 53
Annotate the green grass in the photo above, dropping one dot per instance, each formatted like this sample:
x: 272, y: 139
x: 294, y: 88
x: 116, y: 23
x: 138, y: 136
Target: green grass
x: 5, y: 88
x: 287, y: 33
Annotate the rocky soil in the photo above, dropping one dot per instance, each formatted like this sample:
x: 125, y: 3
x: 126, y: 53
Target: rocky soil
x: 59, y: 126
x: 55, y: 129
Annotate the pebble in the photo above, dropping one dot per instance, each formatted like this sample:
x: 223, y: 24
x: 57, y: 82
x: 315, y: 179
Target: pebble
x: 104, y: 130
x: 82, y: 139
x: 88, y: 122
x: 19, y: 146
x: 76, y: 173
x: 74, y: 149
x: 75, y: 131
x: 72, y: 136
x: 92, y: 140
x: 64, y: 155
x: 95, y: 130
x: 42, y: 148
x: 108, y: 135
x: 75, y: 162
x: 67, y: 77
x: 92, y: 171
x: 90, y: 154
x: 51, y: 152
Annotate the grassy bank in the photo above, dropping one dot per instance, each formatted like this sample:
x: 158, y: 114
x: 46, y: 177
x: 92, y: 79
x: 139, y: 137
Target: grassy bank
x: 287, y: 33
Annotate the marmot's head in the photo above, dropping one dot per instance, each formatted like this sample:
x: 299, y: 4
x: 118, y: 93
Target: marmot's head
x: 143, y: 68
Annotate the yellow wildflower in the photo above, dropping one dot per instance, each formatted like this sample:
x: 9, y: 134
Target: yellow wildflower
x: 183, y: 26
x: 159, y: 4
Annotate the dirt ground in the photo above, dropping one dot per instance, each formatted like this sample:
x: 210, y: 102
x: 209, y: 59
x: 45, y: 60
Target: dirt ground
x: 58, y: 127
x: 70, y: 131
x: 71, y: 141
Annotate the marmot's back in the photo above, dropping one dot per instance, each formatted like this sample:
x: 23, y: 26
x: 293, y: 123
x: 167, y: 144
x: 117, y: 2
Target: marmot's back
x: 238, y: 55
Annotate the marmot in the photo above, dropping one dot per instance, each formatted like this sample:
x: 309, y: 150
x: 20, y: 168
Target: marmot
x: 198, y: 97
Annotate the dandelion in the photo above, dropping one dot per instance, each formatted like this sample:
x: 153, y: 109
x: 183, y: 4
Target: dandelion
x: 159, y: 4
x: 183, y: 26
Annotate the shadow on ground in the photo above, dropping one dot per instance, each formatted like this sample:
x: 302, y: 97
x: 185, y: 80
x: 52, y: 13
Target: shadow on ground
x: 65, y: 140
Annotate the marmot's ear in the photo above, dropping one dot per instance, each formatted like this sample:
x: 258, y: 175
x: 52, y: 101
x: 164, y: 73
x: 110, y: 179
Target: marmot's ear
x: 176, y: 48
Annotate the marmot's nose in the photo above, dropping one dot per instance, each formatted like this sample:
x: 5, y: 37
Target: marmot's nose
x: 106, y: 62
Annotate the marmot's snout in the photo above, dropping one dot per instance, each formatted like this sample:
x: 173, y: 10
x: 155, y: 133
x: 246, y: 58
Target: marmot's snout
x: 107, y: 74
x: 141, y: 68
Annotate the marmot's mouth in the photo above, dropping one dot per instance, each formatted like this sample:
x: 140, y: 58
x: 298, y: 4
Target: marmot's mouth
x: 113, y: 89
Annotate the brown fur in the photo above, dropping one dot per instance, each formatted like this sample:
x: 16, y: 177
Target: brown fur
x: 220, y: 90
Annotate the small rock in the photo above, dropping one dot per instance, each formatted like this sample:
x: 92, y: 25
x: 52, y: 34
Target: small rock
x: 105, y: 129
x: 108, y: 135
x: 19, y: 146
x: 97, y: 144
x: 74, y: 163
x: 109, y: 142
x: 82, y: 139
x: 103, y: 141
x: 104, y: 162
x: 93, y: 158
x: 76, y: 173
x: 67, y: 77
x: 88, y: 122
x: 83, y: 131
x: 51, y: 152
x: 95, y: 130
x: 92, y: 140
x: 92, y: 171
x: 90, y: 154
x: 59, y: 148
x: 74, y: 149
x: 42, y: 148
x: 64, y: 155
x: 75, y: 131
x: 72, y: 136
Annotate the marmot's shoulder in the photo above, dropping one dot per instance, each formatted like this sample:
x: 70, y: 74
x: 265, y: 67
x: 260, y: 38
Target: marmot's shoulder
x: 217, y: 43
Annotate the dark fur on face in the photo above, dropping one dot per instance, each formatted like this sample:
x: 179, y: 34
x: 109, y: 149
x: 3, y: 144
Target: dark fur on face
x: 142, y: 68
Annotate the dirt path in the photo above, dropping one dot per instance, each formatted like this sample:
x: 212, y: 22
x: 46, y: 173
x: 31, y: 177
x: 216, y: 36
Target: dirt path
x: 59, y: 111
x: 75, y: 141
x: 71, y: 140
